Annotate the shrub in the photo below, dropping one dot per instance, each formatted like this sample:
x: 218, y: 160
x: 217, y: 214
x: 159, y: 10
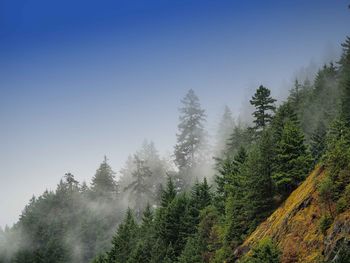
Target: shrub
x: 325, y: 223
x: 265, y: 252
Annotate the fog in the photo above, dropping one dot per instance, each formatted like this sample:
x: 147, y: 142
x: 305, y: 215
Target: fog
x: 91, y: 105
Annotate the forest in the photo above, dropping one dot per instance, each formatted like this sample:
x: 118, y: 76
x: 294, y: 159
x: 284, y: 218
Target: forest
x: 201, y: 205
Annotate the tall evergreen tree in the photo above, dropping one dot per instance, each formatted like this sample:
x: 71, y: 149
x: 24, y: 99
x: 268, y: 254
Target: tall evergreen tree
x: 292, y: 162
x: 318, y: 142
x: 264, y: 105
x: 139, y: 188
x: 168, y: 194
x: 124, y: 240
x: 241, y: 136
x: 191, y: 137
x: 103, y: 183
x: 258, y: 183
x: 225, y: 129
x: 345, y: 81
x: 228, y: 179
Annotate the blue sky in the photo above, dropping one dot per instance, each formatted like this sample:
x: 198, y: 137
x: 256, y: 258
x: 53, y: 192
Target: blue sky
x: 80, y: 79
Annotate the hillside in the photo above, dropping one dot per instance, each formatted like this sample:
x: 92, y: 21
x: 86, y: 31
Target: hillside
x: 294, y: 226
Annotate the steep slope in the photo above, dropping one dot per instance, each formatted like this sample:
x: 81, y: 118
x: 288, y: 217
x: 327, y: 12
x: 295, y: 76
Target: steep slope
x: 295, y: 226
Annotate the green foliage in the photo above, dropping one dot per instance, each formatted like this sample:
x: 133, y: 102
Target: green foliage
x: 292, y: 161
x: 256, y: 168
x: 224, y: 132
x: 264, y: 105
x: 318, y: 142
x: 337, y: 158
x: 191, y: 136
x: 325, y: 222
x: 345, y: 82
x: 265, y: 252
x: 103, y: 183
x: 168, y: 194
x: 258, y: 183
x: 124, y: 240
x: 192, y: 251
x: 228, y: 180
x: 139, y: 187
x: 343, y: 254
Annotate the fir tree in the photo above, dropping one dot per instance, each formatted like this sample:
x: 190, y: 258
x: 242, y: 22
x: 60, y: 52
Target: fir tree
x: 124, y: 240
x: 139, y: 187
x: 228, y: 177
x: 225, y: 129
x: 168, y: 194
x: 192, y: 251
x: 264, y: 252
x: 345, y: 82
x: 240, y: 137
x: 257, y: 181
x: 191, y: 137
x: 292, y: 162
x: 318, y: 142
x: 103, y: 183
x: 264, y: 105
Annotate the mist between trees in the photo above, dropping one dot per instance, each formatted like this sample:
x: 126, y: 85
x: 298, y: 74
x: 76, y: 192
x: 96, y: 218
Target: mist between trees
x: 198, y: 205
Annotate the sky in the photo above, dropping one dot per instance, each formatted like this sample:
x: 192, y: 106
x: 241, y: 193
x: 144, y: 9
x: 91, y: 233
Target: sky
x: 84, y: 79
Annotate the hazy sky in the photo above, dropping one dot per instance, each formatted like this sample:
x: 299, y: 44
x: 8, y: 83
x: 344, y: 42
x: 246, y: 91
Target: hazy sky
x: 80, y: 79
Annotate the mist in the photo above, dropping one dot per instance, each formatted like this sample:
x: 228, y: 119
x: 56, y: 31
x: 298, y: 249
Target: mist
x: 102, y: 106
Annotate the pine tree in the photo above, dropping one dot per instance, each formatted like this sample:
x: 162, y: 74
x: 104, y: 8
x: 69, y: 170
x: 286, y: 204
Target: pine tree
x: 228, y: 177
x: 139, y: 187
x: 292, y: 162
x: 345, y: 81
x: 149, y: 154
x: 235, y: 222
x: 124, y: 240
x: 103, y: 183
x: 264, y: 252
x: 257, y: 181
x: 176, y: 224
x: 225, y: 129
x: 191, y: 137
x: 264, y: 106
x: 192, y: 251
x: 240, y: 137
x: 168, y: 194
x: 295, y: 95
x: 142, y: 252
x: 318, y: 142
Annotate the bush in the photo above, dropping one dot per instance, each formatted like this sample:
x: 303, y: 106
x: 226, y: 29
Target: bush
x: 341, y: 205
x: 325, y: 223
x: 265, y: 252
x: 326, y: 191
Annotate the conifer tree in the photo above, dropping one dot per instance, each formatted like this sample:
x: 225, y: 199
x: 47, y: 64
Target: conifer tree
x: 139, y: 187
x: 265, y: 251
x: 257, y: 181
x: 191, y: 137
x: 228, y: 179
x: 295, y: 95
x: 264, y: 105
x: 124, y: 240
x: 293, y: 161
x: 168, y: 194
x: 225, y: 129
x: 103, y: 183
x: 176, y: 224
x: 345, y: 81
x: 142, y: 251
x: 192, y: 251
x: 318, y: 142
x: 240, y: 137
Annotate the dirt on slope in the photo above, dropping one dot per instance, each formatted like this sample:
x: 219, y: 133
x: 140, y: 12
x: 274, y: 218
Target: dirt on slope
x: 294, y: 226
